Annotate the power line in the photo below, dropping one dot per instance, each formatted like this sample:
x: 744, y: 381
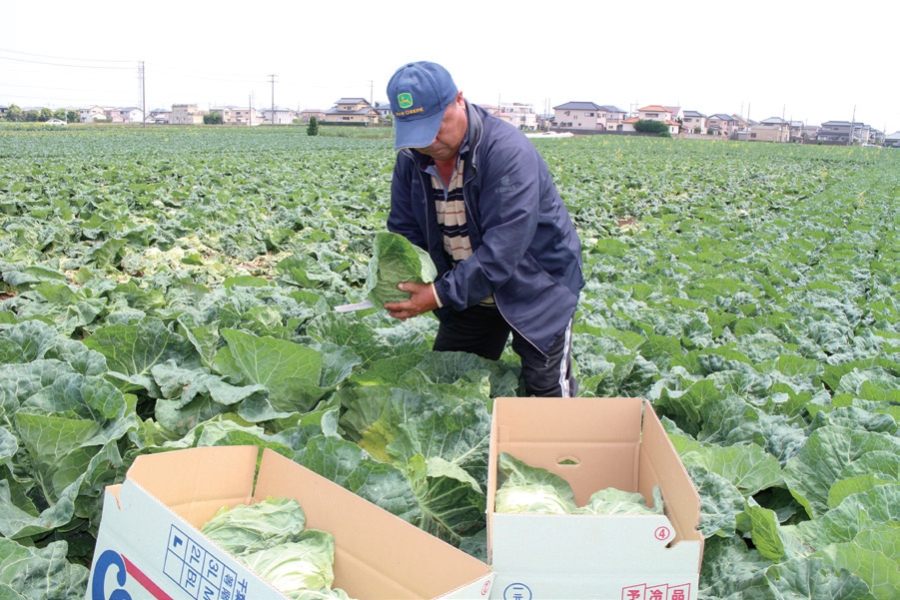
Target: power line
x: 171, y: 72
x: 38, y: 62
x: 331, y: 86
x: 228, y: 79
x: 247, y: 78
x: 235, y: 78
x: 68, y: 99
x: 164, y: 67
x: 193, y: 75
x: 56, y: 89
x: 65, y: 57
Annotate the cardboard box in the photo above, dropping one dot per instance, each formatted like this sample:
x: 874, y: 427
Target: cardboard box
x: 594, y: 443
x: 150, y: 546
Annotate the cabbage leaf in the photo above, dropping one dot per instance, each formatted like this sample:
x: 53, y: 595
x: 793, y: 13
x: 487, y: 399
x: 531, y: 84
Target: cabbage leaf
x: 269, y: 538
x: 307, y: 564
x: 248, y: 528
x: 612, y: 501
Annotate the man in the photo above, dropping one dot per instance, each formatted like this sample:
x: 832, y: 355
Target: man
x: 472, y: 190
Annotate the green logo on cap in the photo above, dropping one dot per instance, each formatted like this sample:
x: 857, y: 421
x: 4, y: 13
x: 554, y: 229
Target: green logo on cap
x: 405, y: 100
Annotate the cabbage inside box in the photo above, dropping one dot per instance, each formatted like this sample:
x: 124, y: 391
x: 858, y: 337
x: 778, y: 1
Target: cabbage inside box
x: 149, y: 545
x: 593, y: 443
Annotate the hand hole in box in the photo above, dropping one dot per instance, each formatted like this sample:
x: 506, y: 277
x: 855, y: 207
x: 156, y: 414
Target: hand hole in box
x: 568, y: 461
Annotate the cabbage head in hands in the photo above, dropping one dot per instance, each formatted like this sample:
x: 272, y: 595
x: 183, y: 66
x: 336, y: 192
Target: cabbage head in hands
x: 396, y: 260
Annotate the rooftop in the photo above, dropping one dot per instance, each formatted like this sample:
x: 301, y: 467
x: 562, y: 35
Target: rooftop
x: 578, y: 106
x: 844, y: 124
x: 351, y: 101
x: 337, y: 111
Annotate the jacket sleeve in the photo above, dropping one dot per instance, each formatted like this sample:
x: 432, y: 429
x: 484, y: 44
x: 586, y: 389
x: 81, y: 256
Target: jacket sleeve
x: 401, y: 218
x: 507, y: 207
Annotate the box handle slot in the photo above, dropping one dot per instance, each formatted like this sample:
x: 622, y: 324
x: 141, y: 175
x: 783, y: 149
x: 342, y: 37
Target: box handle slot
x: 568, y: 461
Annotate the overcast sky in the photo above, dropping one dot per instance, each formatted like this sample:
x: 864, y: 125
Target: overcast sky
x: 803, y: 60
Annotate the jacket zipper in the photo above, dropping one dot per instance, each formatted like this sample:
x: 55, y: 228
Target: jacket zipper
x: 425, y: 195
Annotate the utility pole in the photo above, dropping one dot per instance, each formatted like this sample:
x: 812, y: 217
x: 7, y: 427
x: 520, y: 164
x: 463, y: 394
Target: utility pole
x: 372, y: 92
x: 143, y: 95
x: 852, y: 127
x: 273, y: 98
x: 250, y: 109
x: 748, y: 125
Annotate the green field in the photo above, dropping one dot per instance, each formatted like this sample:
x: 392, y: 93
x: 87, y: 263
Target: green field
x: 167, y: 288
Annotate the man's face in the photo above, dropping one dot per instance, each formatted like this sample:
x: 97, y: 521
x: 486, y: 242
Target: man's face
x: 453, y: 129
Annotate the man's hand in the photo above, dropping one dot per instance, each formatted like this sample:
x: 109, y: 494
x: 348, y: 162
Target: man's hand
x: 421, y: 301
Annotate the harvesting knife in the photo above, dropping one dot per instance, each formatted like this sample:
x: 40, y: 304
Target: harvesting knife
x: 354, y: 307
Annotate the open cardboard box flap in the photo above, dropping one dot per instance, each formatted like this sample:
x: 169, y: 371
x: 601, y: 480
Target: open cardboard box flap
x: 666, y: 470
x: 196, y: 483
x: 371, y: 545
x: 377, y: 555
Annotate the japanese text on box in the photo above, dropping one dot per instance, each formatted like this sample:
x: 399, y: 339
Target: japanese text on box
x: 198, y: 572
x: 657, y: 592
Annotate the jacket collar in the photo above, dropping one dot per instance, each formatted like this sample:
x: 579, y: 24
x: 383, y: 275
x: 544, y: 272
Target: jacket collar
x: 473, y: 135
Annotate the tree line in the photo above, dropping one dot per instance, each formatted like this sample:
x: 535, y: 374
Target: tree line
x: 17, y: 115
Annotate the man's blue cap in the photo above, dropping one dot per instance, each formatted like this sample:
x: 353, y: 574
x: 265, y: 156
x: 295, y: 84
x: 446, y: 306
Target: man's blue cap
x: 419, y: 93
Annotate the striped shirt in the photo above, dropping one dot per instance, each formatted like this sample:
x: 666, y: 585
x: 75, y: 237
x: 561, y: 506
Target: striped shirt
x: 451, y: 216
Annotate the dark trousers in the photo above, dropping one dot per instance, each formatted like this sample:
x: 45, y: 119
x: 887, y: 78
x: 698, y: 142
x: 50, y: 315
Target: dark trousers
x: 482, y: 330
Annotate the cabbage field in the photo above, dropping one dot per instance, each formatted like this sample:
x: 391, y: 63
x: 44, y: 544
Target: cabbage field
x: 173, y: 288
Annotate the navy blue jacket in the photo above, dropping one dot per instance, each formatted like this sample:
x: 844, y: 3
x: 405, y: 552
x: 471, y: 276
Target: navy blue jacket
x: 526, y: 252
